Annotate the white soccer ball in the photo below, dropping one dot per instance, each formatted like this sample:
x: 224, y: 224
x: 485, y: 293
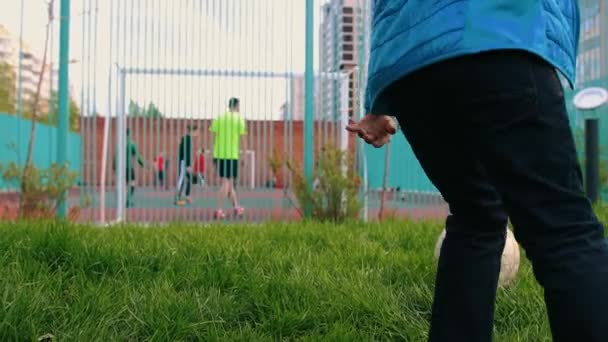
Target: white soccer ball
x: 509, y: 263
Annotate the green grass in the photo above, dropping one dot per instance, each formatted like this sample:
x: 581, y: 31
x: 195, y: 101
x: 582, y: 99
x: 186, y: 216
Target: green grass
x: 291, y: 282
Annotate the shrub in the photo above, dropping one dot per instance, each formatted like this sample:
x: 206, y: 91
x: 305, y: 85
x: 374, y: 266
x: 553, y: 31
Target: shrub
x: 42, y: 189
x: 334, y: 195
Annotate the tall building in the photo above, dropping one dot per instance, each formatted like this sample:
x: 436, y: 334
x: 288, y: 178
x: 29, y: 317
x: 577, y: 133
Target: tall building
x: 339, y: 30
x: 340, y: 42
x: 31, y: 66
x: 294, y: 109
x: 9, y: 47
x: 340, y: 45
x: 591, y: 61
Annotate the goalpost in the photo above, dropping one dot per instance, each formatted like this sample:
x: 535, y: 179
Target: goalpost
x: 124, y: 72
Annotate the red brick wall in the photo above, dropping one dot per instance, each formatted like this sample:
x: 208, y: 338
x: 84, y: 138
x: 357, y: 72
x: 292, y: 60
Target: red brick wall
x: 266, y: 138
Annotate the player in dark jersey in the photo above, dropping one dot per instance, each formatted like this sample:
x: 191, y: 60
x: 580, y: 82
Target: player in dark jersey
x: 184, y: 164
x: 132, y: 152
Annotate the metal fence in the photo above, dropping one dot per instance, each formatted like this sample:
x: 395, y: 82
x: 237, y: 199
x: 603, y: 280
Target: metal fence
x: 160, y: 69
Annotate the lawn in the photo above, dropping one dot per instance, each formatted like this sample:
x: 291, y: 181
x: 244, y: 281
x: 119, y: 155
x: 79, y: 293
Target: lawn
x: 301, y: 281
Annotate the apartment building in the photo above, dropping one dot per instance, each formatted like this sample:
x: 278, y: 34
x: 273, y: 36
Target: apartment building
x: 31, y: 66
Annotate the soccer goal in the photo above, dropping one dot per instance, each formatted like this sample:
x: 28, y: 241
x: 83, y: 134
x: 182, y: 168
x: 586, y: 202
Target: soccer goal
x: 336, y: 110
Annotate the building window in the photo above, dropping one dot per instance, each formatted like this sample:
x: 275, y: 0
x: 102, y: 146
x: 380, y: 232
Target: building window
x: 580, y: 70
x: 589, y: 64
x: 584, y: 67
x: 347, y: 20
x: 596, y: 25
x: 594, y: 70
x: 598, y: 65
x: 347, y: 10
x: 347, y: 29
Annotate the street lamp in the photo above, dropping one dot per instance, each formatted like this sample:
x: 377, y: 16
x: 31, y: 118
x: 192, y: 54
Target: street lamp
x: 588, y: 101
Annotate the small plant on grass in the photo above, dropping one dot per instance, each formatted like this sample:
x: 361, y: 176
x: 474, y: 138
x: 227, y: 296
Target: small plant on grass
x: 276, y: 164
x: 41, y: 189
x: 334, y: 193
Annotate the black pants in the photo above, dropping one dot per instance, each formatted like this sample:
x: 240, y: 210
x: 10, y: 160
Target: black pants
x: 184, y: 181
x: 130, y: 174
x: 491, y: 132
x: 227, y: 168
x: 160, y: 178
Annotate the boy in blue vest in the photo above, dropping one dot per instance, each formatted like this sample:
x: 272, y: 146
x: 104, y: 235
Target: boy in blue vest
x: 475, y: 89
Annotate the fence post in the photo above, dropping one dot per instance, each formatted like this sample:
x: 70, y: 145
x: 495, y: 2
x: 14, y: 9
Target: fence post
x: 121, y: 152
x: 309, y: 104
x: 63, y: 95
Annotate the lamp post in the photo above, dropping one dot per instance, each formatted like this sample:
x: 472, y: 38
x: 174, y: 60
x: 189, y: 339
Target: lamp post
x: 588, y: 101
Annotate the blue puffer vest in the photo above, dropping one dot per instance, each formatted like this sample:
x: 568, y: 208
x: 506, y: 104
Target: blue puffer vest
x: 410, y: 34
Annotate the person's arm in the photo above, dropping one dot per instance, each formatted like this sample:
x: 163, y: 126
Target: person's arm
x: 242, y: 127
x: 136, y: 153
x: 242, y: 133
x: 180, y: 149
x: 213, y: 127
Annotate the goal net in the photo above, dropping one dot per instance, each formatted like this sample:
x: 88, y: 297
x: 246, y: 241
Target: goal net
x: 276, y: 134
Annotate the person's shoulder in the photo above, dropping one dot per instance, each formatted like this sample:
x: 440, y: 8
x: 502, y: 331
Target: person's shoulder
x: 237, y: 116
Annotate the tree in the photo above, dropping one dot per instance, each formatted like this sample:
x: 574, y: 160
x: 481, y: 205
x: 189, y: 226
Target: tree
x: 153, y: 111
x: 28, y: 168
x: 50, y: 117
x: 74, y: 119
x: 135, y: 110
x: 8, y: 92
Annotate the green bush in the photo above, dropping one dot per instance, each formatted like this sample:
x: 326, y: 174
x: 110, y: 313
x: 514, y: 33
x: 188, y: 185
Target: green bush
x: 334, y: 195
x: 41, y: 189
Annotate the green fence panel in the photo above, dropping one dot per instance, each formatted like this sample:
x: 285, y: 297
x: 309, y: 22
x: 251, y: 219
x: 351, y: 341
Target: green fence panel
x: 45, y: 145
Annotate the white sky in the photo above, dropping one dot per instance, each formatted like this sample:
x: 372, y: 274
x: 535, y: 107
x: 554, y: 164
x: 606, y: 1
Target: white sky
x: 260, y: 35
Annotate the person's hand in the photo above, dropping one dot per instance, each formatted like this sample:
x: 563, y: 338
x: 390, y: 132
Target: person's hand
x: 189, y: 169
x: 376, y: 130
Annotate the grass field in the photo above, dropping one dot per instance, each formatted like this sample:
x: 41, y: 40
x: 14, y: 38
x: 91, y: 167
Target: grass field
x: 305, y: 281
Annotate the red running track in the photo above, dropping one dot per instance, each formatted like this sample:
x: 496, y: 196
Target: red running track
x: 270, y: 205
